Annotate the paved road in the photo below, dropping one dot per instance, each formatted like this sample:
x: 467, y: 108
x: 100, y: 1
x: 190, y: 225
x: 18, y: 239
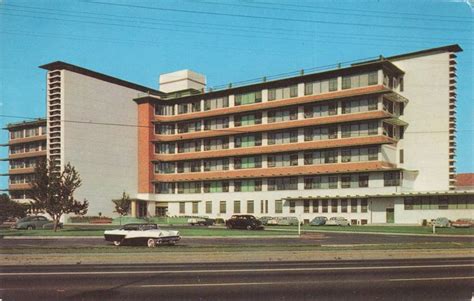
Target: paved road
x: 439, y: 279
x: 326, y: 238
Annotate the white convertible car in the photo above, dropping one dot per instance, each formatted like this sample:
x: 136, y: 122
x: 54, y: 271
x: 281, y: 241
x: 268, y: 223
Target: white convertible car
x: 142, y: 234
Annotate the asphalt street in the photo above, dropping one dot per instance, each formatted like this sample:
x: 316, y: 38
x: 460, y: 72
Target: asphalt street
x: 433, y: 279
x: 326, y: 238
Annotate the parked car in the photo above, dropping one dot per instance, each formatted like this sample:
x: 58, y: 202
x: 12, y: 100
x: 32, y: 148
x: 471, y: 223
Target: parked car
x: 441, y: 222
x: 9, y: 223
x: 288, y: 221
x: 34, y: 222
x: 248, y: 222
x: 265, y: 219
x: 338, y: 221
x: 273, y: 221
x: 463, y: 223
x: 201, y: 221
x: 142, y: 234
x: 318, y: 221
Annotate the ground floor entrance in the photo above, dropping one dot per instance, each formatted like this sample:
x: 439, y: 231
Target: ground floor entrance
x: 390, y: 215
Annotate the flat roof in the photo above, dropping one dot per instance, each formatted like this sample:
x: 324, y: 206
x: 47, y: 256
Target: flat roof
x: 25, y: 123
x: 59, y: 65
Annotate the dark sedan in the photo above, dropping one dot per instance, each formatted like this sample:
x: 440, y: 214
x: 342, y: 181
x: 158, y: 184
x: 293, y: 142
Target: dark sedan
x: 248, y: 222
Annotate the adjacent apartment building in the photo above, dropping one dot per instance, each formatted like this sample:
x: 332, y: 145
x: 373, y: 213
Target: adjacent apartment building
x: 26, y: 147
x: 372, y: 141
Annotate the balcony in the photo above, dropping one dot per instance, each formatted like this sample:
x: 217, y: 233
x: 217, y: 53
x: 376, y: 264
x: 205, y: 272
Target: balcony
x: 277, y: 172
x: 27, y: 139
x: 257, y: 150
x: 277, y: 126
x: 379, y: 89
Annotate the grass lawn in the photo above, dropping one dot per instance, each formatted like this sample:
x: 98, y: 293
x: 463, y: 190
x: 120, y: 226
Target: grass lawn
x: 381, y: 229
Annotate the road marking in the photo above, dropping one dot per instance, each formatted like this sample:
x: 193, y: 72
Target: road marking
x: 237, y: 270
x: 294, y: 282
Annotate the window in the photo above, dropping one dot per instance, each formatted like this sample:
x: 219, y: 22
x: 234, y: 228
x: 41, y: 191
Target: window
x: 320, y: 133
x: 249, y: 119
x: 282, y: 115
x: 320, y: 110
x: 216, y: 164
x: 165, y: 188
x: 164, y: 129
x: 250, y: 206
x: 263, y: 206
x: 345, y: 181
x: 320, y: 157
x: 248, y: 140
x: 165, y: 148
x: 283, y: 183
x: 315, y: 206
x: 189, y: 146
x: 247, y: 185
x: 182, y: 207
x: 164, y: 110
x: 306, y: 206
x: 248, y: 98
x: 281, y: 93
x: 189, y: 166
x: 359, y: 129
x: 216, y: 186
x: 282, y: 137
x: 32, y: 132
x: 363, y: 205
x: 333, y: 84
x: 16, y: 134
x: 278, y: 206
x: 401, y: 156
x: 332, y: 182
x: 189, y: 127
x: 282, y: 160
x: 216, y: 143
x: 195, y: 207
x: 165, y: 167
x: 325, y: 206
x: 364, y: 180
x: 391, y: 178
x: 359, y: 105
x: 216, y: 123
x: 216, y: 103
x: 408, y: 203
x: 190, y: 107
x: 189, y: 187
x: 344, y: 205
x: 353, y: 205
x: 247, y: 162
x: 359, y: 80
x: 312, y: 182
x: 236, y: 206
x: 292, y: 206
x: 208, y: 207
x: 222, y: 207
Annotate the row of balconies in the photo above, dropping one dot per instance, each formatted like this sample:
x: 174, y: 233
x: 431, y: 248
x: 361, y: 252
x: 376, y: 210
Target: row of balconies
x: 452, y: 120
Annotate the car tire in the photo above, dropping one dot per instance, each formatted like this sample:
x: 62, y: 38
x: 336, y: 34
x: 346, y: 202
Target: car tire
x: 30, y: 227
x: 249, y: 227
x: 151, y: 243
x: 117, y: 243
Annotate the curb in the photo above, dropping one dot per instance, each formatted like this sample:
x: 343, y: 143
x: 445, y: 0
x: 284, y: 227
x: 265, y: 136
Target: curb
x: 183, y: 237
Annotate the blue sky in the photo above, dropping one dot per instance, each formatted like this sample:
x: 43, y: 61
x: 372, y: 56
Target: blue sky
x: 228, y: 41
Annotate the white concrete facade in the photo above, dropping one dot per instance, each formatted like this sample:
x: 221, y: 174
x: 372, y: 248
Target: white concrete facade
x: 99, y: 138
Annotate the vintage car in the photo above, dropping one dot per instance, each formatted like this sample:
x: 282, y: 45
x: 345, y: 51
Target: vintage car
x: 318, y: 221
x: 244, y: 221
x: 142, y: 234
x: 441, y: 222
x: 338, y: 221
x: 201, y: 221
x: 34, y: 222
x: 463, y: 223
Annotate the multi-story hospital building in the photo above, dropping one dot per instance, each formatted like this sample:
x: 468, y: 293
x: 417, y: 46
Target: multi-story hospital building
x: 372, y: 141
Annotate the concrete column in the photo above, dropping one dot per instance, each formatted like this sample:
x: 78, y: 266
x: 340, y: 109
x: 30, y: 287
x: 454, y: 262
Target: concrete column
x: 300, y: 89
x: 133, y: 207
x: 150, y: 209
x: 264, y: 95
x: 339, y: 83
x: 231, y: 101
x: 300, y: 112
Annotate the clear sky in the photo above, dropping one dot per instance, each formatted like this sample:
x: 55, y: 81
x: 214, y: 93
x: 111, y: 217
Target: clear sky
x: 228, y: 41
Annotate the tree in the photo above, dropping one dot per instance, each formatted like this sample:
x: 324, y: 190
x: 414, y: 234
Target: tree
x: 10, y: 209
x: 122, y: 206
x: 53, y: 190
